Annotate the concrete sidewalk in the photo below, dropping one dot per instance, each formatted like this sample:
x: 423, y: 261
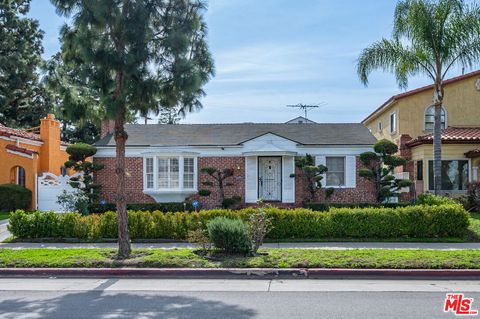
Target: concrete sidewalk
x: 314, y: 245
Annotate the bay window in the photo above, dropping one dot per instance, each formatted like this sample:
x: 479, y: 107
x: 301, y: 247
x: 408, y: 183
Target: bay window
x: 170, y: 173
x: 454, y: 175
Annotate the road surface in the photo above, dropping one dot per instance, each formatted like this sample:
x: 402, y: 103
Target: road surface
x: 228, y: 299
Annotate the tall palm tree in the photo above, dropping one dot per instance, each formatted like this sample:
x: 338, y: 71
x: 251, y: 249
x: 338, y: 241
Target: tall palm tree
x: 429, y: 38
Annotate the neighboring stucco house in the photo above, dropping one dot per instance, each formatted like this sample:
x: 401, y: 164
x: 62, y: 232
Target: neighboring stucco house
x: 408, y: 119
x: 24, y: 155
x: 164, y: 162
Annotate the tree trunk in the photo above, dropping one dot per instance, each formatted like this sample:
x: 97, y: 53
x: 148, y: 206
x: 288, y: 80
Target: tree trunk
x: 437, y: 137
x: 124, y: 248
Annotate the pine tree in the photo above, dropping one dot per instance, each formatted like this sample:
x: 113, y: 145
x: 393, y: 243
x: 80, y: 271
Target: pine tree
x: 22, y: 99
x: 136, y: 53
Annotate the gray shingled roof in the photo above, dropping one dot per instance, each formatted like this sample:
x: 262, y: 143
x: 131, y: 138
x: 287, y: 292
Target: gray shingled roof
x: 234, y: 134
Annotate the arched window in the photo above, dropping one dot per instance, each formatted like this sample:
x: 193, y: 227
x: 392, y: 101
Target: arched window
x: 17, y: 175
x: 430, y: 118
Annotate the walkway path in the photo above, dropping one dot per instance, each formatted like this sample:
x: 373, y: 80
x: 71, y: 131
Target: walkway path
x: 316, y: 245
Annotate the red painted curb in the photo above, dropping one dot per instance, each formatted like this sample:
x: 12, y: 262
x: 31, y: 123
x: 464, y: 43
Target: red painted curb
x: 242, y: 273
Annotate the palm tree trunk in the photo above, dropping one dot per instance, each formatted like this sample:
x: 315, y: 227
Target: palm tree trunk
x: 437, y: 137
x: 124, y: 248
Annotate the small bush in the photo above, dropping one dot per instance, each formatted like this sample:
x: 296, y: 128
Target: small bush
x: 231, y: 202
x: 200, y: 237
x: 13, y: 197
x: 230, y: 235
x: 258, y: 225
x: 434, y: 200
x: 204, y: 192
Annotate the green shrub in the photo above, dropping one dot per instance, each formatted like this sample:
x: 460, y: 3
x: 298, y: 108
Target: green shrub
x: 326, y: 206
x: 13, y: 197
x: 232, y: 201
x: 415, y: 221
x: 163, y: 207
x: 230, y: 235
x: 434, y: 200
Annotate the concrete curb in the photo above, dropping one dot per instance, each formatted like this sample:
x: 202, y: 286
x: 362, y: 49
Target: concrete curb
x: 244, y: 273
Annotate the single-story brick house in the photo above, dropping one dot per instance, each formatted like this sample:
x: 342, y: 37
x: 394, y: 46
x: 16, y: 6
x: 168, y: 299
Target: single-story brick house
x: 164, y: 162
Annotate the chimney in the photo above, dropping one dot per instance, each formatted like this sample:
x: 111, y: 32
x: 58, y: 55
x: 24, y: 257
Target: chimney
x: 50, y: 159
x: 108, y: 127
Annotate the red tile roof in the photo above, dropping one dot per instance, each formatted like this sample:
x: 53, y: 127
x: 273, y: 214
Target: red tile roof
x: 8, y: 132
x: 451, y: 135
x: 23, y: 150
x: 421, y: 89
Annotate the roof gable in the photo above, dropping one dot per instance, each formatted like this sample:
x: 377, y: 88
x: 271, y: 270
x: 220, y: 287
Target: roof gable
x: 399, y: 96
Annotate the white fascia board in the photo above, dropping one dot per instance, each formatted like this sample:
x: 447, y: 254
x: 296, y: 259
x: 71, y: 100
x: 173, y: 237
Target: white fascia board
x: 20, y: 154
x: 232, y: 151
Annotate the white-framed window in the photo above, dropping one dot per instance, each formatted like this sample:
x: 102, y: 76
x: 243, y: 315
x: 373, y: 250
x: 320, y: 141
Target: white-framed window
x: 335, y: 175
x: 380, y: 126
x: 188, y: 172
x: 149, y: 172
x: 170, y: 173
x: 429, y: 118
x: 393, y: 123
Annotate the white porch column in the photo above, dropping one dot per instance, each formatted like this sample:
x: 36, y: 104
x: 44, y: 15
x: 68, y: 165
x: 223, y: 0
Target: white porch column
x: 251, y: 179
x: 474, y: 173
x: 288, y: 183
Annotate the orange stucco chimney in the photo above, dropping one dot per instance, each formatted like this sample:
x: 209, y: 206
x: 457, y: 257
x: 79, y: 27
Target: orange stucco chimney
x: 50, y: 153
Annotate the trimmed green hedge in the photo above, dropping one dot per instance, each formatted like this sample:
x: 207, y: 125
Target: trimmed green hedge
x: 163, y: 207
x: 412, y: 221
x: 13, y: 197
x: 322, y: 207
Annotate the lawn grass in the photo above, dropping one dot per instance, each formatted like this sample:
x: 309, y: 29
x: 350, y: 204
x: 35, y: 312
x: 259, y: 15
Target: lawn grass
x: 4, y: 215
x: 274, y: 258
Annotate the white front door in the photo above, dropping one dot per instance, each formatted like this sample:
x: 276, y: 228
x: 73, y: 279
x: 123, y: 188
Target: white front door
x: 270, y: 178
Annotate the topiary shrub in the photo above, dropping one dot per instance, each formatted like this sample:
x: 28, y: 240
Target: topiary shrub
x: 229, y: 235
x: 231, y: 202
x: 13, y: 197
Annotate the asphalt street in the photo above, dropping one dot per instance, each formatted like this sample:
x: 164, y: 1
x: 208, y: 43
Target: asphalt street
x: 235, y: 299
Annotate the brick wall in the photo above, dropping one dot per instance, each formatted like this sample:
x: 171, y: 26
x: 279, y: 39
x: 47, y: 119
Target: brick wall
x: 237, y: 164
x: 363, y: 193
x: 134, y: 180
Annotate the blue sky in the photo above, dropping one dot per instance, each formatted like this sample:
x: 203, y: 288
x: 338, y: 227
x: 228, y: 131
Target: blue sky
x: 270, y: 53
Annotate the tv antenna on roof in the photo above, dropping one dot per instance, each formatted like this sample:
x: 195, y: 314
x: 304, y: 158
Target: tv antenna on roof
x: 305, y: 107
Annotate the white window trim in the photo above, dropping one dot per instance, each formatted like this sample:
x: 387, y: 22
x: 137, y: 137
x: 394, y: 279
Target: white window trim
x: 181, y: 188
x: 425, y: 113
x: 344, y: 172
x: 393, y: 131
x: 426, y: 172
x: 379, y: 126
